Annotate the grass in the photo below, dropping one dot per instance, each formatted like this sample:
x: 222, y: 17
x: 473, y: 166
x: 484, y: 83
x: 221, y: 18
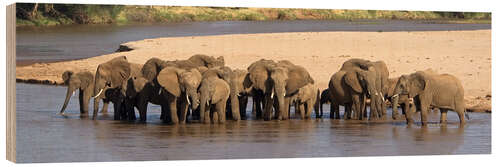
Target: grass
x: 118, y: 14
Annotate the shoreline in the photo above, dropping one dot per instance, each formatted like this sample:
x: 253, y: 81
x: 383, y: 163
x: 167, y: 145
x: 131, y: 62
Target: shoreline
x: 322, y: 54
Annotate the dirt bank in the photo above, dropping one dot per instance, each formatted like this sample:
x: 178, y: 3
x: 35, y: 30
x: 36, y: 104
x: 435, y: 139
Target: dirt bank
x: 465, y: 54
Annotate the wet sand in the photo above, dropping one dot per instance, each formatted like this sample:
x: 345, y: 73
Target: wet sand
x: 44, y: 136
x: 465, y: 54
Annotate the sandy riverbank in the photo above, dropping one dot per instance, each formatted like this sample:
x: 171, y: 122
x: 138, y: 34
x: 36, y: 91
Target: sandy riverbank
x: 465, y: 54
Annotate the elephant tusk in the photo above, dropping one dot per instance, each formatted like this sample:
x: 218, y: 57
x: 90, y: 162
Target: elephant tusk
x: 410, y: 101
x: 73, y: 93
x: 98, y: 93
x: 159, y: 91
x: 284, y: 94
x: 187, y: 98
x: 239, y: 95
x: 272, y: 95
x: 395, y: 96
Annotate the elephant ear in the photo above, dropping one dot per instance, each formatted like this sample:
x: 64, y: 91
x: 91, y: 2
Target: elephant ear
x: 119, y: 70
x: 351, y: 79
x: 418, y: 83
x: 298, y: 77
x: 66, y: 76
x: 169, y: 80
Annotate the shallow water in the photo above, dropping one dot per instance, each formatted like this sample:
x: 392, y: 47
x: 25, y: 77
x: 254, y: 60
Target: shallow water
x: 47, y: 44
x: 44, y: 136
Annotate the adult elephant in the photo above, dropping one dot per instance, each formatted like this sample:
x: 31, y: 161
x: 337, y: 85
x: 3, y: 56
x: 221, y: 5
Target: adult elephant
x: 241, y: 88
x: 113, y: 74
x: 261, y: 83
x: 373, y: 76
x: 177, y: 87
x: 214, y: 93
x: 349, y: 87
x: 286, y: 79
x: 378, y: 100
x: 443, y: 91
x: 84, y: 82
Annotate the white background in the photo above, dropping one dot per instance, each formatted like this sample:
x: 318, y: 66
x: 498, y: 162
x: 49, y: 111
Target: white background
x: 427, y: 5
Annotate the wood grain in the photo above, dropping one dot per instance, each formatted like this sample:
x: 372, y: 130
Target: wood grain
x: 11, y: 83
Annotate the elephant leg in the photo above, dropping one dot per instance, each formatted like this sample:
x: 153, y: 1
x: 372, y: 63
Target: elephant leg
x: 116, y: 110
x: 86, y: 100
x: 395, y: 113
x: 243, y: 107
x: 347, y: 111
x: 268, y: 104
x: 356, y: 103
x: 256, y: 108
x: 105, y: 104
x: 143, y: 109
x: 444, y: 114
x: 220, y: 108
x: 409, y: 110
x: 173, y: 110
x: 81, y: 100
x: 302, y: 111
x: 183, y: 108
x: 309, y: 106
x: 423, y: 113
x: 363, y: 112
x: 460, y: 109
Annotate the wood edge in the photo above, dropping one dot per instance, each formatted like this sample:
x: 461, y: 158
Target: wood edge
x: 11, y: 83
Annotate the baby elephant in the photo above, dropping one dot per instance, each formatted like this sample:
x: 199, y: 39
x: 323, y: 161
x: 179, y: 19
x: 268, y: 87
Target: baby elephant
x: 305, y: 99
x: 214, y: 93
x: 84, y: 82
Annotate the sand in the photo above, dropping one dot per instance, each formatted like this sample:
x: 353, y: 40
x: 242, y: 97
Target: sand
x: 464, y: 54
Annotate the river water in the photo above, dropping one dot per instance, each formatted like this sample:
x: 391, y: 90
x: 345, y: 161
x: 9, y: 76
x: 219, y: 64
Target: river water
x: 44, y: 136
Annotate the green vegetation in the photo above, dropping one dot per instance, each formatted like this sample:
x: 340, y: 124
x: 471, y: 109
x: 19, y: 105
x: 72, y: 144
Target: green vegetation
x: 29, y: 14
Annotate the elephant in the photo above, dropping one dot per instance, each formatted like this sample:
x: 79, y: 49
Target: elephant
x: 306, y: 98
x: 324, y: 99
x: 84, y: 82
x: 261, y: 85
x: 177, y: 87
x: 240, y: 89
x: 214, y: 93
x: 113, y: 74
x: 349, y: 87
x: 408, y: 106
x: 362, y: 78
x: 443, y: 91
x: 286, y: 79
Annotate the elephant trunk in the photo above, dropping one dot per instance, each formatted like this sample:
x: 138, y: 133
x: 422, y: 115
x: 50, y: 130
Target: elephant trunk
x: 96, y: 107
x: 281, y: 104
x: 395, y: 102
x: 203, y: 104
x: 235, y: 106
x: 69, y: 93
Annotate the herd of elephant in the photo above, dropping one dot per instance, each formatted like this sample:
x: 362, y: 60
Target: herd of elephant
x: 203, y: 87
